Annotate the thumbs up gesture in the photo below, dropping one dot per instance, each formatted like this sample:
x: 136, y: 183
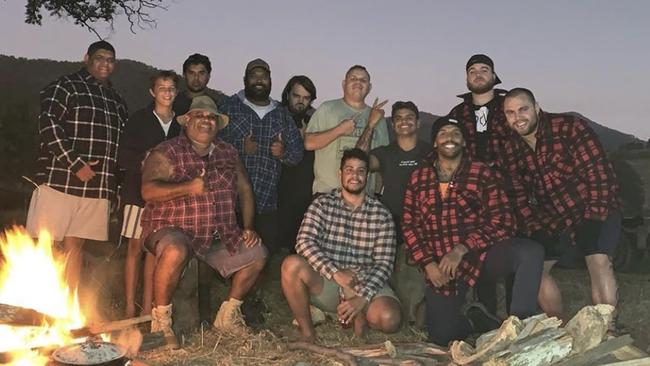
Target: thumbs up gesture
x: 250, y: 145
x: 277, y: 146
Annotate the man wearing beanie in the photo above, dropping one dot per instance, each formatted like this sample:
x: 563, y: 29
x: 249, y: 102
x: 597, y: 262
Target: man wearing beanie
x: 458, y: 225
x: 481, y: 115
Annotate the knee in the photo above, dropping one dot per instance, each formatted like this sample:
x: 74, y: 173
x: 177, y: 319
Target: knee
x: 600, y: 261
x: 175, y: 253
x: 292, y: 266
x: 528, y: 251
x: 390, y: 321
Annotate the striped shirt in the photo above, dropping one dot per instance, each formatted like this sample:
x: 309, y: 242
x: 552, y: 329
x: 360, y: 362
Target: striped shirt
x: 334, y: 237
x: 80, y: 121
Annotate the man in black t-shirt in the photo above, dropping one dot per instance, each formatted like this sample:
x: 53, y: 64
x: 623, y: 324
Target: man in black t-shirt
x: 395, y: 162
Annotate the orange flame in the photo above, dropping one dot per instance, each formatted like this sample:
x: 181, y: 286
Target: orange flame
x: 32, y: 277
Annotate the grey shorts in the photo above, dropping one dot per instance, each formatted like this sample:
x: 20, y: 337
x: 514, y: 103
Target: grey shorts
x: 218, y: 258
x: 328, y: 299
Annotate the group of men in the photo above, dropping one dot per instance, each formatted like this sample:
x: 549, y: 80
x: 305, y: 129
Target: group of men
x: 381, y: 231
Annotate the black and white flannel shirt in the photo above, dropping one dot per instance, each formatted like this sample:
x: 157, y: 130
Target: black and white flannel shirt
x: 81, y: 121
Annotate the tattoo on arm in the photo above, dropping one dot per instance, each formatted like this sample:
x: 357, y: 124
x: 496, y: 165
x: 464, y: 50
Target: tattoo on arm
x: 364, y: 141
x: 156, y: 168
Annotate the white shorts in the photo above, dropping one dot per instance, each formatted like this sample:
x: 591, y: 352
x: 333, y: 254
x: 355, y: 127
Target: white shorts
x: 131, y: 223
x: 66, y: 215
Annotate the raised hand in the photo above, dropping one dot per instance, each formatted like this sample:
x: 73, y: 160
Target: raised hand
x: 376, y: 112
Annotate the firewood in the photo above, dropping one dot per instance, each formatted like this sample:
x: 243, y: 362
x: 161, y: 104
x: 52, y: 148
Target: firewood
x: 592, y: 355
x: 645, y: 361
x: 346, y: 358
x: 16, y: 315
x: 589, y: 326
x: 99, y: 328
x: 152, y: 341
x: 463, y: 354
x: 542, y: 349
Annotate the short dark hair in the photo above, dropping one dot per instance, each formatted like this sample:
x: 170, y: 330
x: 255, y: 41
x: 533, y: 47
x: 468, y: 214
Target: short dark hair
x: 405, y: 105
x: 99, y: 45
x: 197, y: 59
x: 518, y: 92
x: 357, y: 67
x: 354, y: 153
x: 305, y: 82
x: 164, y: 74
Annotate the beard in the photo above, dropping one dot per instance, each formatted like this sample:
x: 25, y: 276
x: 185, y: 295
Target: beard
x: 453, y: 154
x: 480, y: 89
x: 351, y: 190
x: 257, y: 94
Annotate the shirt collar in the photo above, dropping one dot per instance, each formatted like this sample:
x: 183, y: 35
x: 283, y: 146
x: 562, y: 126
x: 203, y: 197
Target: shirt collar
x: 91, y: 79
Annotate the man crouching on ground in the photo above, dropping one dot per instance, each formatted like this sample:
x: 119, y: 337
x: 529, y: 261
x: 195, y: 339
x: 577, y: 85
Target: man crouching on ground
x: 346, y: 249
x: 191, y: 184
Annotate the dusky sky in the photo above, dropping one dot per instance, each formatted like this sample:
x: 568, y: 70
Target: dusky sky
x: 586, y: 56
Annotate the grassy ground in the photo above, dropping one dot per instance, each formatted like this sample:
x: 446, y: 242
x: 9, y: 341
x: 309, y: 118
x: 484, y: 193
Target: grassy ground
x: 268, y: 346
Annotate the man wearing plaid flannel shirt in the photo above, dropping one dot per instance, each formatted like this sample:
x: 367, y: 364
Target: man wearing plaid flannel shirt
x: 565, y: 188
x: 80, y: 123
x: 346, y: 249
x: 265, y: 135
x: 458, y: 224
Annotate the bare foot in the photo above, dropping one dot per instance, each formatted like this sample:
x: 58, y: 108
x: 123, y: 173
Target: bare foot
x: 360, y: 327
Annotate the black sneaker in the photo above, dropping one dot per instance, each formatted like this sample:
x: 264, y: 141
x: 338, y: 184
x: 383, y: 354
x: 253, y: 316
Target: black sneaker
x: 480, y: 319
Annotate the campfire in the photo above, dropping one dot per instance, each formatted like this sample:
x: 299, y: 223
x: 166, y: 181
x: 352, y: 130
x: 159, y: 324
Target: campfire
x: 37, y: 308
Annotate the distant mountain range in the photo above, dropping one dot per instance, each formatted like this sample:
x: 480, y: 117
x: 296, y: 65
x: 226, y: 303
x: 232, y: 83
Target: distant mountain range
x: 22, y: 79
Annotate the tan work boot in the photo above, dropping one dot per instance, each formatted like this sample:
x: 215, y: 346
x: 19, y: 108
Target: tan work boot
x: 161, y: 321
x: 229, y: 315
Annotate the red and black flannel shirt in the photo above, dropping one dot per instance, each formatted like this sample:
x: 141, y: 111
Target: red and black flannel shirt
x: 475, y: 213
x: 199, y: 215
x: 566, y: 179
x: 488, y: 151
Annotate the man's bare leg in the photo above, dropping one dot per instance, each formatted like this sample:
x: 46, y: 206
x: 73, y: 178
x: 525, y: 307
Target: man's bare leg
x: 147, y: 283
x: 244, y: 279
x: 604, y: 289
x: 173, y: 256
x: 299, y: 280
x: 550, y: 296
x: 132, y: 275
x: 73, y: 251
x: 384, y: 314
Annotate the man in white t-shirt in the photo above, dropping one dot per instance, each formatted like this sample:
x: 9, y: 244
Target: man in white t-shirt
x: 337, y: 125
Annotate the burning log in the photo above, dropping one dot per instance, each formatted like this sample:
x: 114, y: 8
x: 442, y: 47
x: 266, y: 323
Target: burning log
x: 16, y: 315
x: 99, y: 328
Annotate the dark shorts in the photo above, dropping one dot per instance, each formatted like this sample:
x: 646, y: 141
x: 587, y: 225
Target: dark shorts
x: 218, y: 257
x: 561, y: 248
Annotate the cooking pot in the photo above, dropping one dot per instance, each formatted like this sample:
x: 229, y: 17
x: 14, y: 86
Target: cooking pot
x: 90, y: 353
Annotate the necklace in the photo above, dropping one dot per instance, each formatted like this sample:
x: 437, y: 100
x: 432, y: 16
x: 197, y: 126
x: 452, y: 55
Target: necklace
x: 444, y: 176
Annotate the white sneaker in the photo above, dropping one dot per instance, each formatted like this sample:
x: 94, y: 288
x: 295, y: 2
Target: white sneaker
x: 317, y: 316
x: 161, y: 321
x: 229, y: 315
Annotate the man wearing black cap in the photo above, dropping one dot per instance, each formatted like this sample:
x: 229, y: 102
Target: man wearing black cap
x: 481, y: 112
x: 265, y: 135
x: 458, y: 224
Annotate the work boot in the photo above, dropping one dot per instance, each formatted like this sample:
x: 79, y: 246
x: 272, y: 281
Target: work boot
x: 161, y: 321
x: 479, y: 318
x: 229, y: 315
